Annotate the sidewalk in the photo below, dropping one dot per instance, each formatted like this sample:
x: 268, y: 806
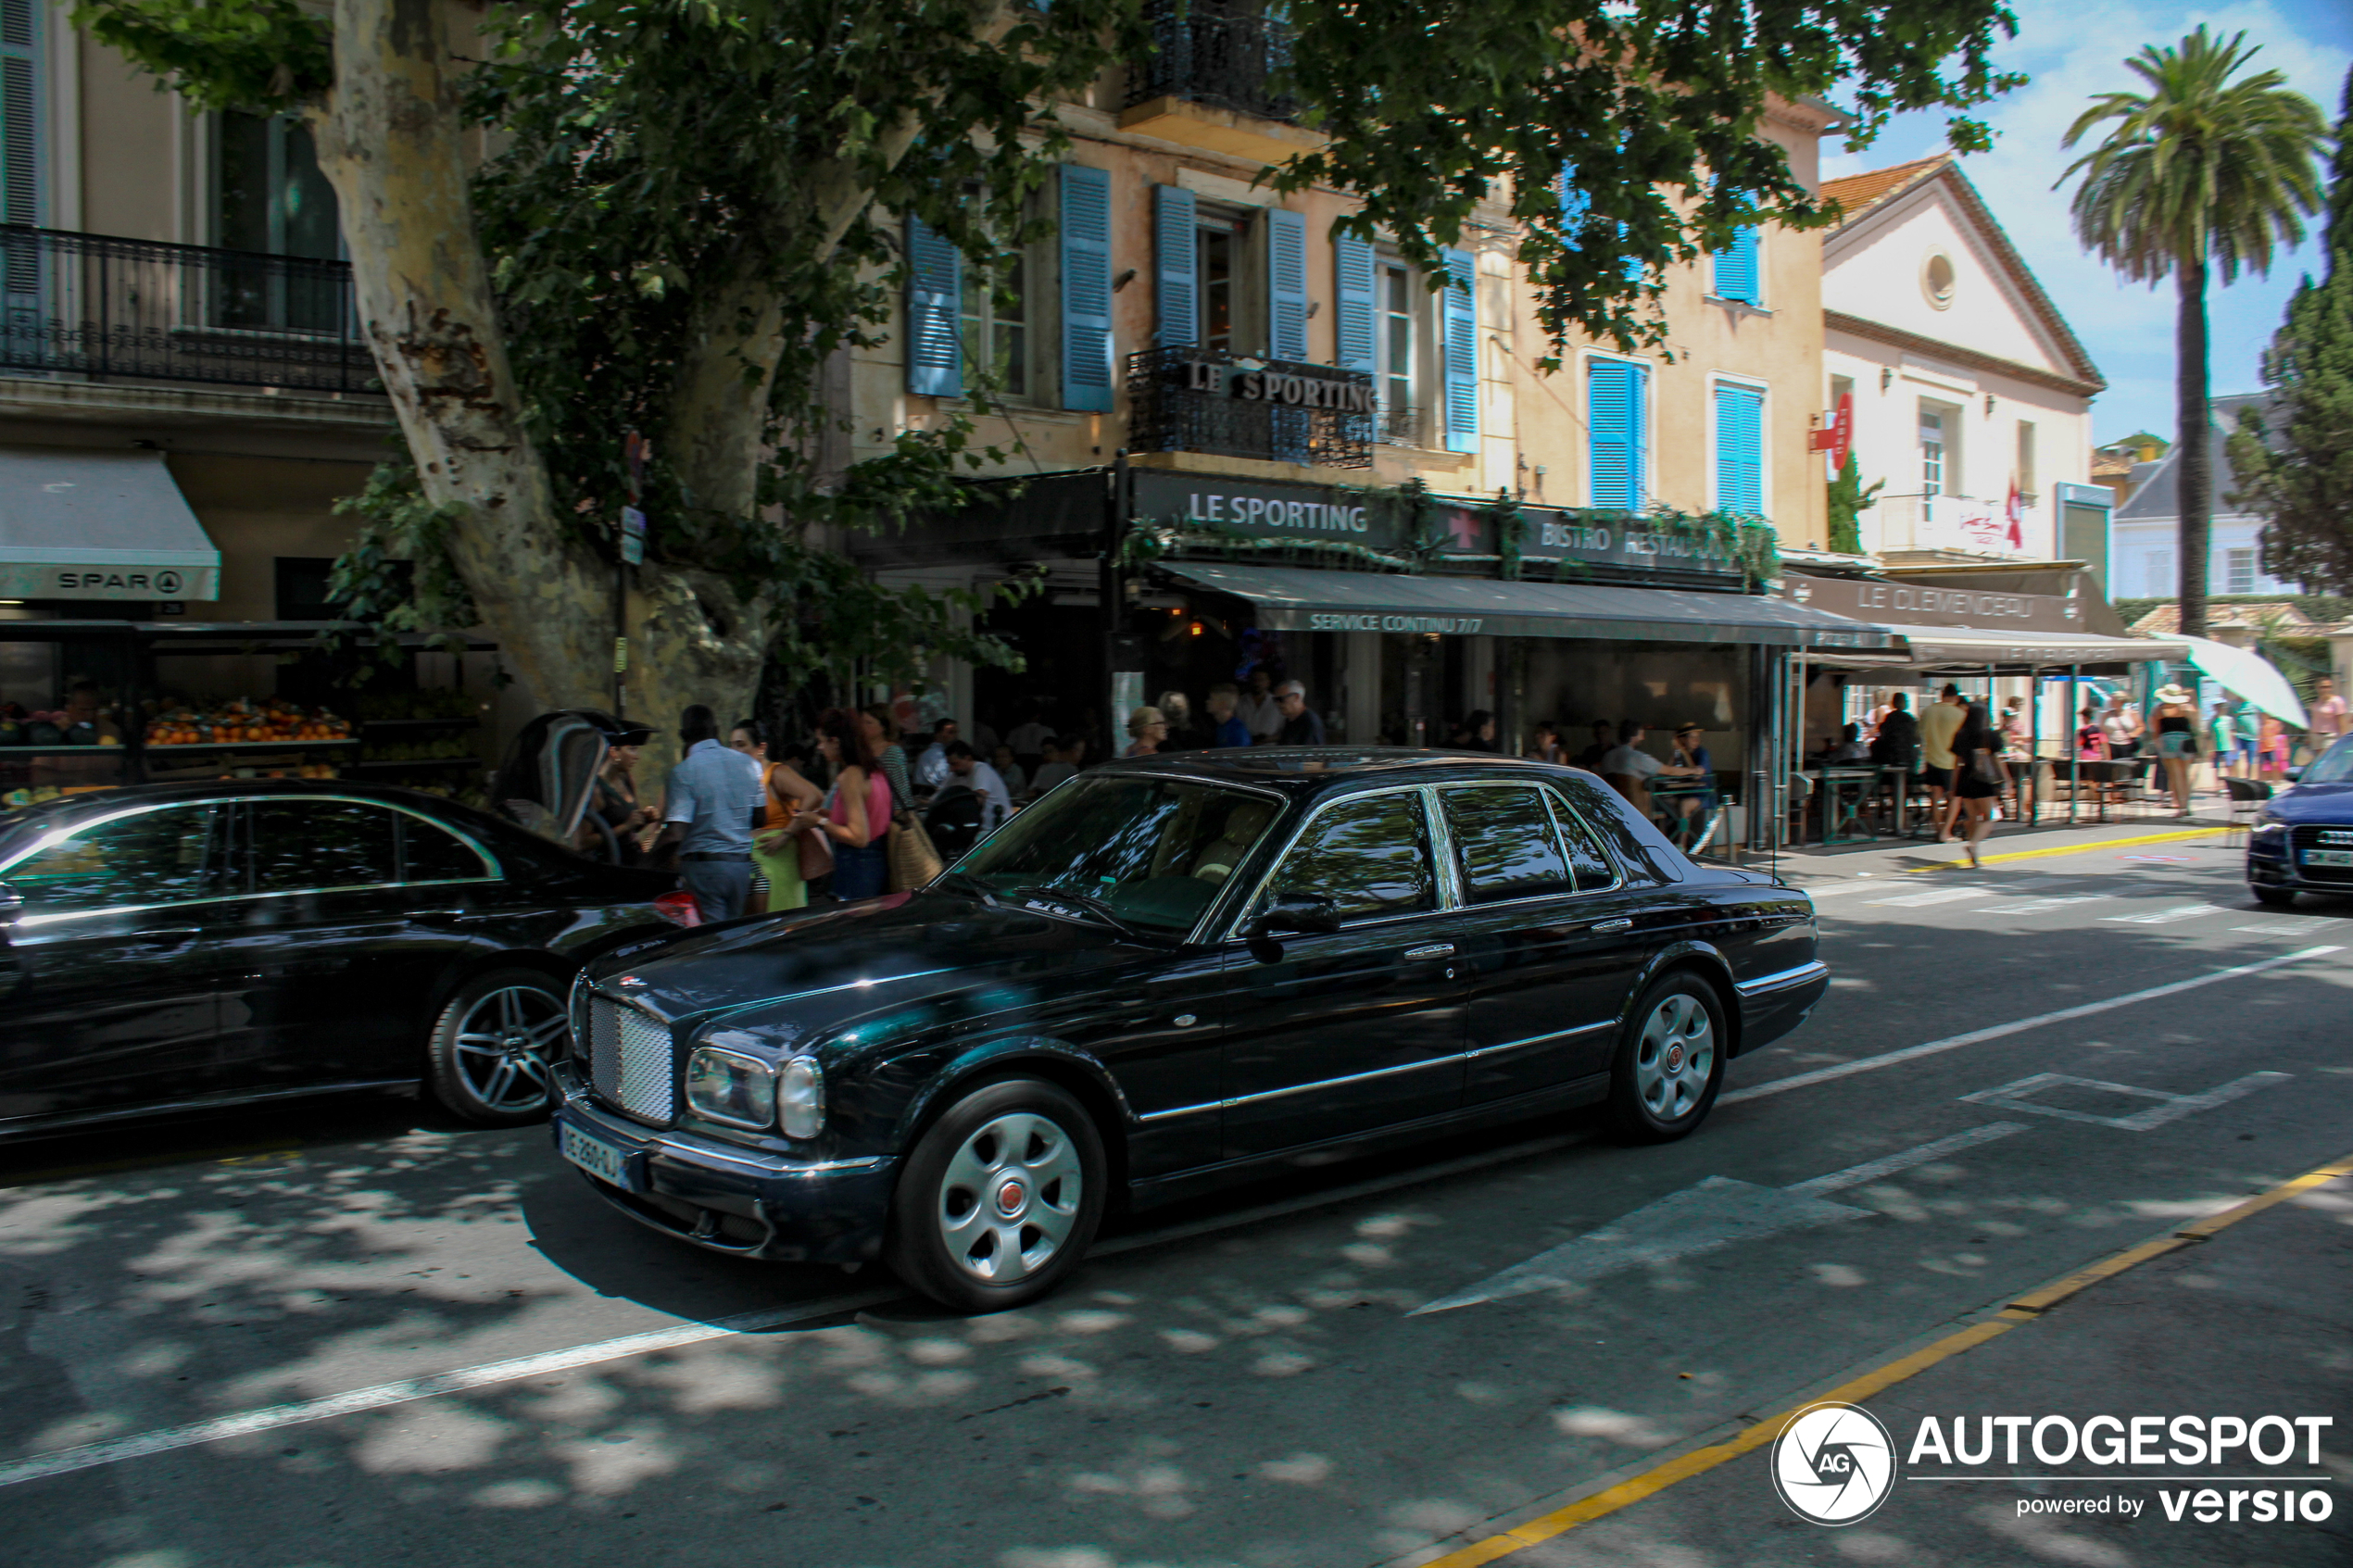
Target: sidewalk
x: 2207, y: 828
x: 2242, y: 1318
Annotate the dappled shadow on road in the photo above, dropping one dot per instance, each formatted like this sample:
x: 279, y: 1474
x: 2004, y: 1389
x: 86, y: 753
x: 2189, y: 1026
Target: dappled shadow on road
x: 1252, y: 1396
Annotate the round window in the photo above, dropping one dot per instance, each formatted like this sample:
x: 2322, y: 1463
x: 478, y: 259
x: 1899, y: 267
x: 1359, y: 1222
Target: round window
x: 1937, y: 277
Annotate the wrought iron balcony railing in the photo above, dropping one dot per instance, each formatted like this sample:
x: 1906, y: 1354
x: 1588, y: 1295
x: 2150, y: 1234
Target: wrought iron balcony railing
x: 98, y: 305
x: 1222, y: 53
x: 1400, y: 427
x: 1208, y: 400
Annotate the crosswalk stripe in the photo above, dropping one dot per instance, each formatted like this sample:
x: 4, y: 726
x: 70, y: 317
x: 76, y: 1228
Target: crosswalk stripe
x: 2165, y: 917
x: 1935, y: 896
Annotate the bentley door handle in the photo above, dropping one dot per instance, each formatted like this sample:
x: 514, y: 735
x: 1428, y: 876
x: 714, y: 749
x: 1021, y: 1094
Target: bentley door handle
x: 1622, y: 923
x: 1434, y: 950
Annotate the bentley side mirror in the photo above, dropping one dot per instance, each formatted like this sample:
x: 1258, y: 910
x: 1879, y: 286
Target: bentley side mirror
x: 1310, y: 913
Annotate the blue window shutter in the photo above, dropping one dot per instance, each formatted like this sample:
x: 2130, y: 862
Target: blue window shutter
x: 1458, y: 323
x: 1740, y: 451
x: 20, y: 118
x: 1086, y: 230
x: 1573, y: 202
x: 1736, y: 269
x: 1616, y: 416
x: 1353, y: 323
x: 935, y: 297
x: 1286, y: 284
x: 1176, y: 267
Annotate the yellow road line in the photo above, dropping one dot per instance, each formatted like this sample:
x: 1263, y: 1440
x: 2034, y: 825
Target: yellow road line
x: 2071, y: 849
x: 2026, y: 1308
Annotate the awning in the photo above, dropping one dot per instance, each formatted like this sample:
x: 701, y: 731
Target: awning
x: 1303, y: 599
x: 99, y: 525
x: 1966, y: 647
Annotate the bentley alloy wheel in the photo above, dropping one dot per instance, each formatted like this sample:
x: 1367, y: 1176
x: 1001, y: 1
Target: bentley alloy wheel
x: 1671, y: 1061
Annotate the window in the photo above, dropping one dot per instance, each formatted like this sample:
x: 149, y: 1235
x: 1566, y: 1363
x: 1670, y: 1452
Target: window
x: 167, y: 855
x: 1937, y: 280
x: 1395, y: 370
x: 433, y: 854
x: 1738, y: 275
x: 273, y: 200
x: 1586, y: 861
x: 2026, y: 458
x: 2238, y: 571
x: 2157, y: 573
x: 1740, y: 449
x: 1216, y: 247
x: 1369, y: 857
x: 300, y: 845
x: 996, y: 321
x: 1932, y: 452
x: 20, y: 122
x: 1617, y: 413
x: 1504, y: 844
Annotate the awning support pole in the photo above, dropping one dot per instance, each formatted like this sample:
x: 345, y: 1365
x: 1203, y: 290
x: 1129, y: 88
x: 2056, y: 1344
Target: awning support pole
x: 2074, y: 745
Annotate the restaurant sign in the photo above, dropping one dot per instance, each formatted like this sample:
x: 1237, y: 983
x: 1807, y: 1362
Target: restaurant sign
x: 1918, y: 604
x: 1623, y: 547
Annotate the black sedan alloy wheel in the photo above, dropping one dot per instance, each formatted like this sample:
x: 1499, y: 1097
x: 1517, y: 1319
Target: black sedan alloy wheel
x: 491, y: 1049
x: 999, y: 1198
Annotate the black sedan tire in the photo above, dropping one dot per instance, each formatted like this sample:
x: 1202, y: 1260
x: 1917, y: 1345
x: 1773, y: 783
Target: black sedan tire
x: 1670, y: 1060
x: 494, y: 1046
x: 999, y: 1200
x: 2272, y: 898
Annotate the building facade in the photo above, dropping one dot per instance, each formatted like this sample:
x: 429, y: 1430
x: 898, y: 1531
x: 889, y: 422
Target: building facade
x: 1967, y: 384
x: 2149, y: 525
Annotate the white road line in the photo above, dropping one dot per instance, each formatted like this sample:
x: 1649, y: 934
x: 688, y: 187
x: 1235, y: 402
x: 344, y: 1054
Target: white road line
x: 1936, y: 895
x: 2166, y: 917
x: 1999, y: 1031
x: 1831, y: 890
x: 62, y: 1462
x: 2282, y: 928
x: 2036, y: 906
x: 2169, y: 1107
x: 1888, y: 1164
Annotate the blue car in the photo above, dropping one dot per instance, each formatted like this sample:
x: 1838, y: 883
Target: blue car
x: 2303, y: 842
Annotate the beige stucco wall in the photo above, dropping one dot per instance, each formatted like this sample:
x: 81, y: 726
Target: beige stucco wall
x: 257, y: 509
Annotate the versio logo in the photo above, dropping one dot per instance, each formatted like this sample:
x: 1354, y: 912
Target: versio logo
x: 1833, y: 1463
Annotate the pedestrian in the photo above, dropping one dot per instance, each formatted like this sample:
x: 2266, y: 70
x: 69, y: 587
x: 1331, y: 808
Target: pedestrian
x: 2271, y: 747
x: 1479, y: 731
x: 2090, y: 740
x: 1302, y: 724
x: 1548, y: 743
x: 982, y: 779
x: 1979, y: 775
x: 1009, y: 769
x: 2330, y: 719
x: 1259, y: 708
x: 1178, y: 710
x: 708, y: 810
x: 2018, y: 749
x: 1225, y: 716
x: 1147, y: 727
x: 931, y: 767
x: 784, y: 792
x: 2224, y: 729
x: 1938, y: 726
x: 1031, y: 739
x: 1604, y: 742
x: 2177, y: 742
x: 615, y: 802
x: 1896, y: 742
x: 1690, y: 761
x: 1062, y: 763
x: 882, y: 739
x: 855, y: 813
x: 2121, y: 723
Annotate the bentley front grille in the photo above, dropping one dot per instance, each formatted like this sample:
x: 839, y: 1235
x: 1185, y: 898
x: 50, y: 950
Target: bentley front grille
x: 629, y: 1061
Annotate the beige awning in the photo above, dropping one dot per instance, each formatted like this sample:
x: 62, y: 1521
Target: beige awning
x: 1938, y: 648
x: 80, y: 524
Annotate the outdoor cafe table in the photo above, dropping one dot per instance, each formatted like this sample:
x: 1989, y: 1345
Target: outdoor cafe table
x: 1667, y: 794
x: 1843, y: 792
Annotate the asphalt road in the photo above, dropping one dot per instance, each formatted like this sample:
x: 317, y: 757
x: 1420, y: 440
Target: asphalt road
x: 1249, y: 1381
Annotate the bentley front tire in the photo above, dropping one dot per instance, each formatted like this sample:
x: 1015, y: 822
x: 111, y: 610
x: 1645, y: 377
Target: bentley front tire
x: 1670, y: 1062
x: 999, y: 1198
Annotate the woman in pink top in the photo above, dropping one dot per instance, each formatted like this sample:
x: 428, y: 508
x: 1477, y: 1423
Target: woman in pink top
x: 856, y: 812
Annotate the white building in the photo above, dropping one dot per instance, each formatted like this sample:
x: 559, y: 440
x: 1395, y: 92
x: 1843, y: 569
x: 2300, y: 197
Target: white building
x: 2148, y: 527
x: 1965, y: 377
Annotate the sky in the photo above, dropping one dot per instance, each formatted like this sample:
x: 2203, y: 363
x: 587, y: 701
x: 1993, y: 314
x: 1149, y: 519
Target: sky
x: 2073, y: 49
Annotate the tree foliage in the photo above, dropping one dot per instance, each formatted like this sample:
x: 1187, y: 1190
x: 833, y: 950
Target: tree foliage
x: 1848, y: 501
x: 2295, y: 468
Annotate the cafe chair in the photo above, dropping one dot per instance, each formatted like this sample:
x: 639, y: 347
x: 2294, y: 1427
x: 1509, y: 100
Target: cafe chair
x: 2246, y: 797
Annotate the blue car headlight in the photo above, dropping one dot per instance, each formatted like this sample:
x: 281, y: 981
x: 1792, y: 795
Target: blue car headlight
x: 727, y: 1087
x: 2270, y: 829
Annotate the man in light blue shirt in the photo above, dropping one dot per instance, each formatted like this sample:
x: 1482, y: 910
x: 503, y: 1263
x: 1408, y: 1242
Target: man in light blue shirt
x: 707, y: 812
x: 984, y: 780
x: 931, y: 766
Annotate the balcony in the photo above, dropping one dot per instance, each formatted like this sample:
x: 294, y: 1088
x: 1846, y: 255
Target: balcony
x: 1967, y: 523
x: 98, y: 308
x: 1207, y: 400
x: 1207, y: 81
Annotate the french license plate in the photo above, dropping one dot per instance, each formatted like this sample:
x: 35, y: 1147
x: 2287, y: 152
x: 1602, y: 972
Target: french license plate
x: 595, y: 1156
x: 2328, y: 856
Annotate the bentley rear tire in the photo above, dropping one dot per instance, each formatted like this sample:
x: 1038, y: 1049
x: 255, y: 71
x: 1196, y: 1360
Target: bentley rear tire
x: 999, y: 1200
x: 1670, y: 1061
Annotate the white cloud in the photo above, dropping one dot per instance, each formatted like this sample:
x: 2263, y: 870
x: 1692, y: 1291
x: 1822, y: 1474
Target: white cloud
x: 2073, y: 49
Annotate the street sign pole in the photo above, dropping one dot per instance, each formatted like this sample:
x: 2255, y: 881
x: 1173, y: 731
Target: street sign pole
x: 631, y: 538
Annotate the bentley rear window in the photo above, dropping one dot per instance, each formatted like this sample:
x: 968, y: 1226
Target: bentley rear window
x: 1153, y: 852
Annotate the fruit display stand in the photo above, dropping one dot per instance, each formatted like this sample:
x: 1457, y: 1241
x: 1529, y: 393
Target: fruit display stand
x: 424, y: 739
x: 164, y: 742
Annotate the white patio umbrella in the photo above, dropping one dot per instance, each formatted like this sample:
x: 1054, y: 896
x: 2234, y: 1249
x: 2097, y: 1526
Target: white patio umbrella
x: 2251, y: 675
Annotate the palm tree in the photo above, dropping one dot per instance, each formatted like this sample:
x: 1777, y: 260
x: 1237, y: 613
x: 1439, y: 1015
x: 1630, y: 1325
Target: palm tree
x: 2198, y: 172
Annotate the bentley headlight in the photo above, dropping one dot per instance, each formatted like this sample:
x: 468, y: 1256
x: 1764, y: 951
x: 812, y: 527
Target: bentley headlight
x: 800, y: 1097
x: 727, y: 1087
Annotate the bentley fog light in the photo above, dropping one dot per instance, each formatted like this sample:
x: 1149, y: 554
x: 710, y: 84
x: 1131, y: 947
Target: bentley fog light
x: 800, y: 1097
x: 727, y: 1087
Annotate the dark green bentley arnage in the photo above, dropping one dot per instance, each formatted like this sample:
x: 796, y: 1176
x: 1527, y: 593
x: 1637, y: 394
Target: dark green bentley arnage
x: 1169, y: 975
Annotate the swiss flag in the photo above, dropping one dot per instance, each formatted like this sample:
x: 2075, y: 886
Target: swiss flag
x: 2016, y: 511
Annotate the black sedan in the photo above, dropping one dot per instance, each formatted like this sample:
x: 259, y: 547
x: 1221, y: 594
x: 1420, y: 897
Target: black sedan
x: 184, y: 947
x: 1167, y: 976
x: 2303, y: 840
